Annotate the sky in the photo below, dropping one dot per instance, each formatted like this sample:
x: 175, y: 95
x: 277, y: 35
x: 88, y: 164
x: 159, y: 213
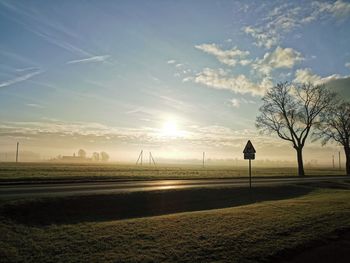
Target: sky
x: 173, y: 77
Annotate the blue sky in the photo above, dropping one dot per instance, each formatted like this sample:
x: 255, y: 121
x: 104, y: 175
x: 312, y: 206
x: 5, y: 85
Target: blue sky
x: 117, y: 75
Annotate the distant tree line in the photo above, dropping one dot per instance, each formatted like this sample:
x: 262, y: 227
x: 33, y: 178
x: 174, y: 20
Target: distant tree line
x: 102, y: 156
x: 296, y: 111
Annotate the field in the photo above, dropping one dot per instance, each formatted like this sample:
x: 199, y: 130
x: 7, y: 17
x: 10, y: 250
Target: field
x: 248, y: 228
x: 267, y: 224
x: 88, y: 172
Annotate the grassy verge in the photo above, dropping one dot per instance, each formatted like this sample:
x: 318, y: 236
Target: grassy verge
x: 11, y: 172
x: 263, y: 231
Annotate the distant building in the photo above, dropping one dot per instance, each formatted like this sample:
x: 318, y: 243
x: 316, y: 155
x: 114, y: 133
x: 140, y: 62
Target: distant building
x: 81, y: 157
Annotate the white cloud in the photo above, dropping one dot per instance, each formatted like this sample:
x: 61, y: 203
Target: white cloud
x: 280, y: 19
x: 228, y: 57
x: 235, y: 103
x: 90, y: 59
x: 34, y: 105
x: 187, y: 79
x: 279, y: 58
x: 220, y: 79
x: 26, y: 69
x: 262, y: 38
x: 289, y: 16
x: 347, y: 65
x: 19, y: 79
x: 338, y: 9
x: 171, y: 61
x: 306, y: 75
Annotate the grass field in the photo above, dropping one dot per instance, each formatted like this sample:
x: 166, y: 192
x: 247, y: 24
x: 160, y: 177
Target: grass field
x: 262, y: 229
x: 83, y: 172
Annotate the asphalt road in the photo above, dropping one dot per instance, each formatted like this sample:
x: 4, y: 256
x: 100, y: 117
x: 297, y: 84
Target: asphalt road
x: 63, y: 189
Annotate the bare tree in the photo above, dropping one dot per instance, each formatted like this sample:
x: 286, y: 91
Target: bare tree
x: 82, y: 153
x: 335, y: 125
x: 291, y: 110
x: 95, y: 156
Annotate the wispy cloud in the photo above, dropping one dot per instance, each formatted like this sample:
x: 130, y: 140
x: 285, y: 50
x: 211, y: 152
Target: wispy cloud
x: 221, y: 79
x: 229, y: 57
x: 338, y: 9
x: 34, y: 105
x: 56, y: 131
x: 44, y: 26
x: 279, y: 58
x: 286, y: 17
x: 19, y: 79
x: 235, y: 103
x: 26, y: 69
x: 102, y: 58
x: 306, y: 75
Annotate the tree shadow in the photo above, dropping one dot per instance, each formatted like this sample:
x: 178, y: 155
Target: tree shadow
x: 92, y: 208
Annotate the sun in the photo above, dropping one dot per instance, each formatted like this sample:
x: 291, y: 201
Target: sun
x: 170, y: 128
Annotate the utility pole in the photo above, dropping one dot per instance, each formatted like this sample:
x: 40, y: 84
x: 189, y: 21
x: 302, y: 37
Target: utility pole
x: 151, y: 159
x: 203, y: 158
x: 140, y: 158
x: 17, y: 152
x: 333, y: 162
x: 339, y: 161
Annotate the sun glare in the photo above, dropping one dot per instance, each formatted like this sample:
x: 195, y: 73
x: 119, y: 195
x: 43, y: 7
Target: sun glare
x: 170, y: 128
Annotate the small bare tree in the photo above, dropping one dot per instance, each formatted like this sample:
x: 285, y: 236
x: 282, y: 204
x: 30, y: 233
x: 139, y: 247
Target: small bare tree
x: 290, y: 110
x: 335, y: 125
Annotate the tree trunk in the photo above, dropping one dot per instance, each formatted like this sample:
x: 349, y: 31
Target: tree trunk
x: 347, y: 156
x: 300, y: 161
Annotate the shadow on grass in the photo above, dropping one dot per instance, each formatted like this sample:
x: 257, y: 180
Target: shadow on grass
x: 78, y: 209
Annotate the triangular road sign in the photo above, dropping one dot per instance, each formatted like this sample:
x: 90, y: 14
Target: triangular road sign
x: 249, y: 148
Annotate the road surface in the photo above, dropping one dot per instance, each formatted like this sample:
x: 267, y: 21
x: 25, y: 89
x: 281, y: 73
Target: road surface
x: 63, y: 189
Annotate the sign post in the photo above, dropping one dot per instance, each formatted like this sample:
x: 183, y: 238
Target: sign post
x: 249, y: 154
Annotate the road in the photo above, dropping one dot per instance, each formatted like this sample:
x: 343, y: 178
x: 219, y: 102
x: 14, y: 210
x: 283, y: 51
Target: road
x: 74, y: 188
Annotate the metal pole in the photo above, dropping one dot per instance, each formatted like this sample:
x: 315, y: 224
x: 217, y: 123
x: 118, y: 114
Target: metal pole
x: 333, y: 162
x: 250, y: 173
x: 339, y: 161
x: 17, y: 153
x: 203, y: 158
